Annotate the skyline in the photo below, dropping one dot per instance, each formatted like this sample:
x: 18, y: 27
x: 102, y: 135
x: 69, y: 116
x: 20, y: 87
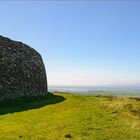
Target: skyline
x: 81, y: 42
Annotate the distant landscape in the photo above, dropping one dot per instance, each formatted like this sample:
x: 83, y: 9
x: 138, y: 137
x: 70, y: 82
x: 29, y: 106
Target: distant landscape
x: 96, y: 90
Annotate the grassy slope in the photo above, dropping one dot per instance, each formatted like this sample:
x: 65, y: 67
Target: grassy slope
x: 78, y: 117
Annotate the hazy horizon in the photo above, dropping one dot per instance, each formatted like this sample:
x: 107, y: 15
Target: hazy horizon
x: 95, y: 43
x: 93, y: 90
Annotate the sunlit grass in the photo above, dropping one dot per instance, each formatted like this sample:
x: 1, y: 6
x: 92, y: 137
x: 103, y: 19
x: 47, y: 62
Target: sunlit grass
x: 67, y: 116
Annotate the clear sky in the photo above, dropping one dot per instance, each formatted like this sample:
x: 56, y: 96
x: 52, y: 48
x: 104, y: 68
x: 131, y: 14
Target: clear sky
x: 81, y: 42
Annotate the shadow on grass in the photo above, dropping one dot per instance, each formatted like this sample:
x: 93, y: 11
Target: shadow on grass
x: 27, y: 103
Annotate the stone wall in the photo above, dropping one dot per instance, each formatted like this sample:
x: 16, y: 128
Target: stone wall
x: 22, y: 72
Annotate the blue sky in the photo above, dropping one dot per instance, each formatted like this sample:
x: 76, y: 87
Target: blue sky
x: 81, y: 42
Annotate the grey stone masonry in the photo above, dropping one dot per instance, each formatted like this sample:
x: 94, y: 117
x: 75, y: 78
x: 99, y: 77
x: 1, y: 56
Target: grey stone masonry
x: 22, y: 71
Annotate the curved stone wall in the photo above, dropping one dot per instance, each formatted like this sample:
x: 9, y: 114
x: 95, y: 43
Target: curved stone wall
x: 22, y: 71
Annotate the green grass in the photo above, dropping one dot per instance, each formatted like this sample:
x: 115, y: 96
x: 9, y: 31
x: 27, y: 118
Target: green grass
x: 66, y: 116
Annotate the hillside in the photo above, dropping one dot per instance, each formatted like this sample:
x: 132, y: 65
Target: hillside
x: 68, y: 116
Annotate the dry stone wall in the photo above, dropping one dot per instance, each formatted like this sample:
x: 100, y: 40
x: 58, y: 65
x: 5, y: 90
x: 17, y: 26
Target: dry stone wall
x: 22, y: 71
